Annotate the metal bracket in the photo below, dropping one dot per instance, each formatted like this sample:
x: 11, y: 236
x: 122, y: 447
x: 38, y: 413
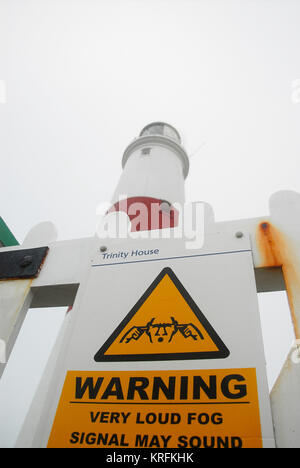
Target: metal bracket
x: 22, y: 264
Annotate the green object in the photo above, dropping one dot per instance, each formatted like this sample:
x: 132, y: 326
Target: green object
x: 7, y: 238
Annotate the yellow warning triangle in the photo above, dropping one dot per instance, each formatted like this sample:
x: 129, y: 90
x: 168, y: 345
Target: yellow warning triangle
x: 165, y: 324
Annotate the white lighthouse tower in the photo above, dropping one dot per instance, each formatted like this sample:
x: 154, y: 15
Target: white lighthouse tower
x: 155, y: 166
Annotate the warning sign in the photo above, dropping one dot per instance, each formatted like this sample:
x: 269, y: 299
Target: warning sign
x: 165, y: 324
x: 165, y: 409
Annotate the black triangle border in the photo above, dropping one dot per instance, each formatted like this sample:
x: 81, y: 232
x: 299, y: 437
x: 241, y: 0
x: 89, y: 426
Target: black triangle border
x: 222, y: 353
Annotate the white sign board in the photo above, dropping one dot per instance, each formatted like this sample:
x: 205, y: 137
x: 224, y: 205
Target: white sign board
x: 163, y: 350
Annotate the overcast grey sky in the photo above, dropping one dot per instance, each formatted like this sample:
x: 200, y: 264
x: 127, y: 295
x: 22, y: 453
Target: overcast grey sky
x: 80, y: 78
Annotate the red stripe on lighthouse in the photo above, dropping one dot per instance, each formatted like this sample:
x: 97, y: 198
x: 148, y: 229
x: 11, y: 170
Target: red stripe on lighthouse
x: 146, y: 213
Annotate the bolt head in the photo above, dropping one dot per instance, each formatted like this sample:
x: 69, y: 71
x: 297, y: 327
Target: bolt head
x: 26, y: 261
x: 239, y: 234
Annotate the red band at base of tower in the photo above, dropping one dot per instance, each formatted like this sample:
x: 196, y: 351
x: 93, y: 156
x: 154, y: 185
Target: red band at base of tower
x: 147, y: 213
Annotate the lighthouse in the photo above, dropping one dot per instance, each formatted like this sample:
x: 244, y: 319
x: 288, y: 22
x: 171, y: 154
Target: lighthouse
x: 155, y: 166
